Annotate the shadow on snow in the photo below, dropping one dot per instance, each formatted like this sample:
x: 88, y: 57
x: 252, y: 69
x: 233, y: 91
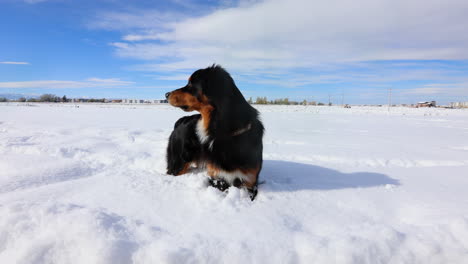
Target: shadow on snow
x: 293, y: 176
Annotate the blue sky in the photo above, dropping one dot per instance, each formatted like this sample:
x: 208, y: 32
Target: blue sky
x: 300, y: 49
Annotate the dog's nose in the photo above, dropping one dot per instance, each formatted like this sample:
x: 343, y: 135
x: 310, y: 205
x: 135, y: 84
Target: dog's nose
x: 167, y: 95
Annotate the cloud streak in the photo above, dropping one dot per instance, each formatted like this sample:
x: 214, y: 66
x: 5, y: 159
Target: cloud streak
x: 457, y: 89
x: 57, y: 84
x: 15, y: 62
x: 34, y: 1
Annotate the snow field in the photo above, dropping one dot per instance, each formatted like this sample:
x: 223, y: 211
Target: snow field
x: 359, y: 185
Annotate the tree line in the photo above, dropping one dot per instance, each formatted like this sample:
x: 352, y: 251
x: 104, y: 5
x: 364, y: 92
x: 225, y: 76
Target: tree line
x: 49, y: 98
x: 282, y: 101
x: 52, y: 98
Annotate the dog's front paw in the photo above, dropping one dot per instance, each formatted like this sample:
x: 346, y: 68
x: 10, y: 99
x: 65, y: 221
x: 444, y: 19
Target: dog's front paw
x: 253, y: 193
x: 219, y: 184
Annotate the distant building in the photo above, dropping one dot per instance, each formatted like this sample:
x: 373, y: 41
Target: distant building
x: 141, y: 101
x: 157, y: 101
x: 459, y: 104
x: 426, y: 104
x: 130, y: 101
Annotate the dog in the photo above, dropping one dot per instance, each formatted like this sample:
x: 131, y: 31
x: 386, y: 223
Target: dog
x: 225, y: 138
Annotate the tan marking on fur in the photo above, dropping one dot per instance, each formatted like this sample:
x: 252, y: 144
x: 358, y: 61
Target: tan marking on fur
x: 205, y: 111
x: 252, y: 177
x: 249, y: 182
x: 179, y: 98
x: 212, y: 170
x: 185, y: 169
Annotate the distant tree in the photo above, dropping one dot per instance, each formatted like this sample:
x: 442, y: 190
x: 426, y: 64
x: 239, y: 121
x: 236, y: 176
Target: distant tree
x: 94, y: 100
x: 32, y: 100
x: 22, y: 99
x: 47, y: 98
x: 282, y: 101
x: 250, y: 100
x: 320, y: 103
x: 261, y: 100
x: 313, y: 103
x: 64, y: 99
x: 3, y: 99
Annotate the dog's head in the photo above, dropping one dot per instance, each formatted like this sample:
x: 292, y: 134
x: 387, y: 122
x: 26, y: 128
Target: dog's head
x: 212, y: 92
x: 206, y: 88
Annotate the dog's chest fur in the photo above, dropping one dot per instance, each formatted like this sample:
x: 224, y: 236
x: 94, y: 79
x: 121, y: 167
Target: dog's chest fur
x: 202, y: 132
x: 203, y: 135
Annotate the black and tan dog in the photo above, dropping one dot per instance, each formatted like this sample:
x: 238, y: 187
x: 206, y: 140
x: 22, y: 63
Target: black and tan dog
x: 225, y: 138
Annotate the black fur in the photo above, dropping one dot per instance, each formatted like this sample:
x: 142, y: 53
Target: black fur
x: 184, y: 146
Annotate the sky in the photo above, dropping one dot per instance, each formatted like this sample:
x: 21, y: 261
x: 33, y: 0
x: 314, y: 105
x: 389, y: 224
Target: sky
x: 346, y: 51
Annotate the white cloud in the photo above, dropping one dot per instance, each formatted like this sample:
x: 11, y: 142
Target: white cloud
x: 457, y: 89
x: 148, y: 20
x: 34, y: 1
x: 284, y: 34
x: 14, y: 62
x: 56, y: 84
x: 172, y: 77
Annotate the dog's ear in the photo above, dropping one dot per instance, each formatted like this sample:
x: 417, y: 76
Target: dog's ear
x: 218, y: 84
x: 232, y: 111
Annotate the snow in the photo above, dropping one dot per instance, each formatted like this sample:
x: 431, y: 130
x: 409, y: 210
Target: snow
x: 362, y: 185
